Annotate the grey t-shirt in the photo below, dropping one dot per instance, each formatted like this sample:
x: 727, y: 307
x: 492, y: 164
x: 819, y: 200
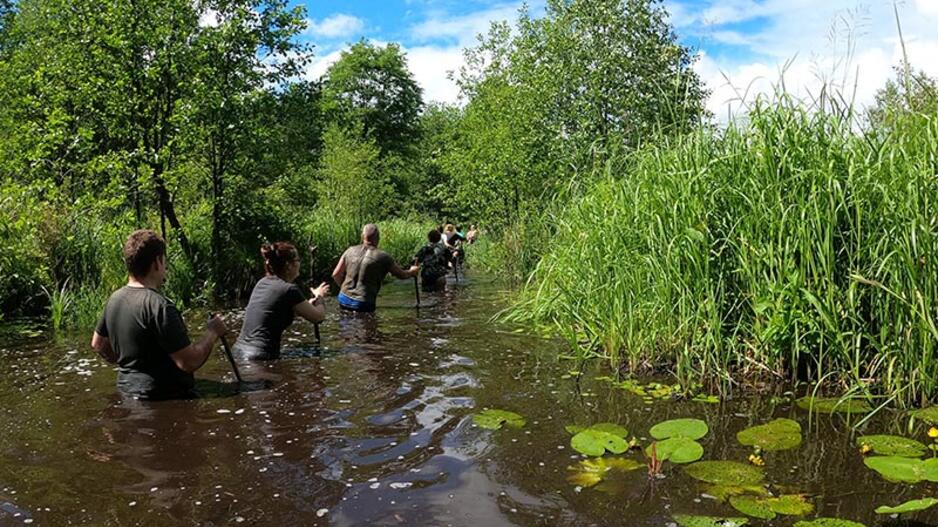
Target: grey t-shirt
x: 269, y: 312
x: 144, y: 328
x: 365, y: 269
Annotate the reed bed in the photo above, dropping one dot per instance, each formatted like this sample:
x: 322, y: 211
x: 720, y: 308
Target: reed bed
x: 791, y: 246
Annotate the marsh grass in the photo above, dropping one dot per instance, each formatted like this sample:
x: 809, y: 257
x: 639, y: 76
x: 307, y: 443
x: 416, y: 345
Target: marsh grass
x: 789, y: 246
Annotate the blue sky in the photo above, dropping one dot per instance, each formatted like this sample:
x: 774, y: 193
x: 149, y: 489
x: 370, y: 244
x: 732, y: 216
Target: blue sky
x: 743, y: 45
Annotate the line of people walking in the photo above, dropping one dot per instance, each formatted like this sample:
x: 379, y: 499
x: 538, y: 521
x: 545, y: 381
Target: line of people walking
x: 143, y: 333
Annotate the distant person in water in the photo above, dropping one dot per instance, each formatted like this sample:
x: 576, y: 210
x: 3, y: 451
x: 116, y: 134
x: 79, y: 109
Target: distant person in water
x: 472, y: 235
x: 274, y: 302
x: 453, y: 240
x: 433, y: 260
x: 143, y: 333
x: 361, y: 271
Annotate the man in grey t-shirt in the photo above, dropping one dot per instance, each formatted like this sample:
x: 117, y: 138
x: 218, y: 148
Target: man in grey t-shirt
x: 143, y: 333
x: 361, y: 271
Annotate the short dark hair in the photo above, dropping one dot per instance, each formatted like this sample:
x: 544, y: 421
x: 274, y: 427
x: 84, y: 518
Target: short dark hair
x: 434, y: 236
x: 277, y: 256
x: 141, y: 250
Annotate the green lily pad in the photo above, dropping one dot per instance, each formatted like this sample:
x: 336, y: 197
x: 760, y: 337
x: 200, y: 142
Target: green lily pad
x: 589, y: 472
x: 767, y: 508
x: 929, y: 414
x: 909, y: 506
x: 887, y: 445
x: 689, y: 520
x: 689, y: 428
x: 709, y: 399
x: 596, y: 442
x: 830, y: 405
x: 904, y: 469
x: 611, y: 428
x: 791, y: 505
x: 752, y: 506
x: 780, y: 434
x: 725, y: 473
x: 493, y: 419
x: 723, y: 492
x: 574, y: 429
x: 678, y: 450
x: 828, y: 522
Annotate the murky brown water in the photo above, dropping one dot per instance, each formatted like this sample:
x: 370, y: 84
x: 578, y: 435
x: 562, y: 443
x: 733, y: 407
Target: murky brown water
x: 377, y: 430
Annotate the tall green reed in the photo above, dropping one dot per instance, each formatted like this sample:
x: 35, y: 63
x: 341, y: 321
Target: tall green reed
x: 788, y: 246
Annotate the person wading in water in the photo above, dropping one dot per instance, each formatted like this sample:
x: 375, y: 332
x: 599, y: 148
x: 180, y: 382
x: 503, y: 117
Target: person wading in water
x: 274, y: 302
x: 362, y: 269
x: 433, y: 260
x: 143, y: 333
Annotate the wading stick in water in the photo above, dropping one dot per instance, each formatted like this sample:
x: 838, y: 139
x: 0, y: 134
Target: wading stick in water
x: 312, y: 250
x: 227, y: 350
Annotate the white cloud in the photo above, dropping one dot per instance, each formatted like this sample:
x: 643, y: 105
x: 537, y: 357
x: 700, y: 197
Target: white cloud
x: 318, y: 66
x: 335, y: 26
x: 927, y: 7
x: 430, y: 66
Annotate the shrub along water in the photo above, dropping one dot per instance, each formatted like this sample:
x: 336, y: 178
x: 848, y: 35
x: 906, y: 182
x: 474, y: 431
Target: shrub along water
x: 792, y: 245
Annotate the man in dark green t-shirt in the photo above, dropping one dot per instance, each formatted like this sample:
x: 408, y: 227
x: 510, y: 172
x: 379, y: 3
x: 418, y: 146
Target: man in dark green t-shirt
x: 143, y: 333
x: 362, y: 269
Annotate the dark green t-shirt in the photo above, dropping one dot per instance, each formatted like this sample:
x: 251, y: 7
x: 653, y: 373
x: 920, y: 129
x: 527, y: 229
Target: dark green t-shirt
x: 144, y: 328
x: 433, y: 260
x: 365, y: 270
x: 269, y: 312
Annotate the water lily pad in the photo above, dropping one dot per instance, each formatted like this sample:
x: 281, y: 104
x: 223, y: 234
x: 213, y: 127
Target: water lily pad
x: 589, y: 472
x: 689, y: 520
x: 676, y: 450
x: 689, y: 428
x: 887, y: 445
x: 909, y: 506
x: 929, y: 414
x: 830, y: 405
x: 780, y: 434
x: 611, y: 428
x: 752, y: 506
x: 791, y: 505
x: 828, y: 522
x: 709, y: 399
x: 904, y: 469
x: 596, y: 442
x: 574, y: 429
x: 493, y: 419
x: 725, y: 473
x: 723, y: 492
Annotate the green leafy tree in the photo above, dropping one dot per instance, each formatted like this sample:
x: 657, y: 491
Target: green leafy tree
x: 353, y: 184
x: 916, y: 93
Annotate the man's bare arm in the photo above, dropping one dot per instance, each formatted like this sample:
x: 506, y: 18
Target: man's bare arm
x: 193, y: 356
x: 102, y: 345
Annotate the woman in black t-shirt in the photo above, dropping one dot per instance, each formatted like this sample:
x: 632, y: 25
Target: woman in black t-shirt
x: 274, y: 302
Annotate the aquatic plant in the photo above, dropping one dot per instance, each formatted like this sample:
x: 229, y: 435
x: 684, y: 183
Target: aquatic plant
x: 909, y: 506
x: 828, y: 522
x: 928, y: 414
x: 589, y: 472
x: 768, y: 508
x: 595, y: 441
x: 690, y: 520
x: 889, y: 445
x: 678, y: 450
x: 780, y: 434
x: 730, y: 473
x: 904, y: 469
x: 687, y: 428
x: 832, y: 405
x: 493, y: 419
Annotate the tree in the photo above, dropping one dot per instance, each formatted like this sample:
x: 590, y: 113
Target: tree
x: 352, y: 180
x: 371, y: 89
x: 917, y: 93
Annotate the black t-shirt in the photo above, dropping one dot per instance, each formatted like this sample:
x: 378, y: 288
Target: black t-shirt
x: 433, y: 262
x: 144, y: 328
x: 269, y: 312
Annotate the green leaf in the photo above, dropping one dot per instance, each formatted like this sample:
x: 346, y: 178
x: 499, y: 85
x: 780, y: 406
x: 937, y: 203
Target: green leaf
x: 725, y: 473
x: 828, y: 522
x: 689, y: 428
x: 676, y: 450
x: 830, y: 405
x: 929, y: 414
x: 888, y: 445
x: 689, y: 520
x: 752, y: 506
x: 493, y: 419
x: 723, y: 492
x: 709, y: 399
x: 909, y: 506
x: 611, y: 428
x: 596, y: 443
x: 780, y: 434
x: 790, y: 505
x: 589, y: 472
x: 574, y: 429
x: 897, y: 469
